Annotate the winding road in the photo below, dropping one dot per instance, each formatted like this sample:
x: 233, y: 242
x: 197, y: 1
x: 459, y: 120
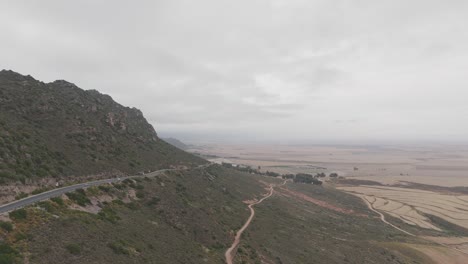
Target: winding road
x: 230, y: 253
x: 59, y: 191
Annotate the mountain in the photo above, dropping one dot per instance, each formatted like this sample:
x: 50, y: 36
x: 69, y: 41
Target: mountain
x: 176, y: 143
x: 186, y: 215
x: 59, y: 130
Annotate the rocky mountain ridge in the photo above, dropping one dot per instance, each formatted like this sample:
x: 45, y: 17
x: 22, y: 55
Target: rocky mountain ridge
x: 58, y: 129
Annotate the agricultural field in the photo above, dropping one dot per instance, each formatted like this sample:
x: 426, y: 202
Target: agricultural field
x: 412, y: 205
x: 431, y: 164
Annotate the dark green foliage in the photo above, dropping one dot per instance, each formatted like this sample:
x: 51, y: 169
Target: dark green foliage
x: 18, y: 214
x: 306, y: 178
x: 272, y: 174
x: 8, y: 254
x: 104, y: 188
x: 79, y: 197
x: 154, y: 201
x: 57, y: 200
x: 108, y: 214
x: 140, y: 194
x: 21, y: 195
x: 288, y: 176
x: 48, y: 206
x: 74, y: 249
x: 119, y: 247
x: 39, y: 190
x: 7, y: 226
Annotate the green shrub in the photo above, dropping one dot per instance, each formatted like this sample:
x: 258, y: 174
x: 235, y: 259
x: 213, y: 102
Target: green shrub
x: 140, y: 194
x: 39, y: 190
x: 119, y: 247
x: 74, y: 249
x: 7, y: 226
x: 133, y: 206
x: 18, y: 214
x: 104, y: 188
x: 109, y: 215
x: 57, y: 200
x: 48, y: 206
x: 154, y: 201
x: 79, y: 197
x: 118, y: 202
x: 127, y: 181
x: 21, y: 195
x: 7, y: 254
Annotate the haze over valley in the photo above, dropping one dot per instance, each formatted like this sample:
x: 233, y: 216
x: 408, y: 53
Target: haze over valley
x: 259, y: 132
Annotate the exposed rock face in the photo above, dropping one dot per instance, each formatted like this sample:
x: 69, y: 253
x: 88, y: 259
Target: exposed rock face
x: 57, y: 129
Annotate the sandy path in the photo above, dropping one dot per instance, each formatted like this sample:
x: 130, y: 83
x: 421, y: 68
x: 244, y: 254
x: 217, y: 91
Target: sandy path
x: 230, y: 253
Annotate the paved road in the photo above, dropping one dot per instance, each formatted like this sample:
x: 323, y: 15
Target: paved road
x: 59, y: 191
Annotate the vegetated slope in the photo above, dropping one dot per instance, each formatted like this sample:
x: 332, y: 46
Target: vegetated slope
x: 315, y: 224
x: 191, y: 216
x: 181, y: 217
x: 57, y: 129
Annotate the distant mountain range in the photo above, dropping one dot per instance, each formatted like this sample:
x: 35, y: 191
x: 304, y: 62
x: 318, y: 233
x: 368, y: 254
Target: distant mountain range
x: 176, y: 143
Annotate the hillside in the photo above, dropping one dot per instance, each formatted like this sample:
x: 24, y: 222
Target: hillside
x: 57, y: 130
x: 186, y: 215
x: 191, y: 216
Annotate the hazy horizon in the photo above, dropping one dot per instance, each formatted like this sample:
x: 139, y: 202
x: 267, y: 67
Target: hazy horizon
x: 258, y: 71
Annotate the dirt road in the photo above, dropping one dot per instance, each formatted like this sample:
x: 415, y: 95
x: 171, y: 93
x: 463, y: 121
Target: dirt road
x: 230, y: 252
x: 382, y: 217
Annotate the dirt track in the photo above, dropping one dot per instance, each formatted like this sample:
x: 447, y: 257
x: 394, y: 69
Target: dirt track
x: 230, y: 252
x: 382, y: 217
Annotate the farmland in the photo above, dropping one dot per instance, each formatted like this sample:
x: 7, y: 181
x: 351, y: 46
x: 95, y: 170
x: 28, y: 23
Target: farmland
x: 411, y: 205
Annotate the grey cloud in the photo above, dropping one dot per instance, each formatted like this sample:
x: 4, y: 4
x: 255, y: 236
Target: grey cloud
x: 271, y: 69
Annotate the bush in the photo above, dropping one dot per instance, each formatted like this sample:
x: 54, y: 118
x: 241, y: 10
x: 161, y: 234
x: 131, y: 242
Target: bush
x: 79, y: 197
x: 21, y: 195
x: 58, y: 200
x: 104, y: 188
x: 48, y: 206
x: 40, y: 190
x: 119, y: 247
x: 154, y: 201
x: 140, y: 194
x: 109, y: 215
x: 7, y: 226
x: 7, y: 254
x: 18, y: 214
x: 74, y: 249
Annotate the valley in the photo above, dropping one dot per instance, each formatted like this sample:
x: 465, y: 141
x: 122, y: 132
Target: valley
x: 419, y: 191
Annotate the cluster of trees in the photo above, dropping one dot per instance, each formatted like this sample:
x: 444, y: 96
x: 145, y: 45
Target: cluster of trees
x: 249, y: 169
x: 307, y: 178
x: 298, y: 178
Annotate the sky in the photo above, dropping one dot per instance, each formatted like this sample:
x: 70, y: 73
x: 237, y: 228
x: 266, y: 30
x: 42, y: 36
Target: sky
x: 258, y: 70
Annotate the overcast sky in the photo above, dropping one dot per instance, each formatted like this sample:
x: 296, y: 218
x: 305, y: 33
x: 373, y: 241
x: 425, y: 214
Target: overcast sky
x: 258, y: 70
